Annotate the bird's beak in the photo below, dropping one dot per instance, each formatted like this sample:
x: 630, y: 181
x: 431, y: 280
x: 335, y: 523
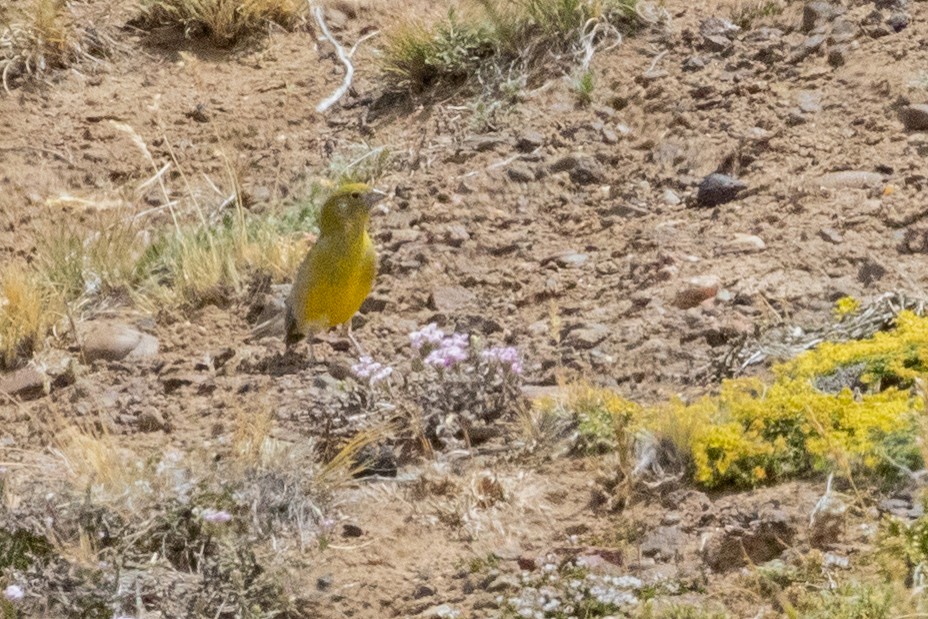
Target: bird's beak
x: 372, y: 197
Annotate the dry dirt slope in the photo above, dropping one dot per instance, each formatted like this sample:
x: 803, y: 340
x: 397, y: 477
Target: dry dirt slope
x: 541, y: 223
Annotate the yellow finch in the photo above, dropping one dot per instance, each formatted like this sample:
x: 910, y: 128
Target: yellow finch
x: 338, y: 272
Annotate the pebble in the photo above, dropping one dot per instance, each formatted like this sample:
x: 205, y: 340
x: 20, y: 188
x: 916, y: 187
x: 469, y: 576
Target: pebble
x: 451, y: 298
x: 582, y: 169
x: 810, y: 101
x: 588, y: 335
x: 26, y: 383
x: 503, y: 582
x: 831, y: 235
x: 746, y: 243
x: 696, y: 290
x: 520, y: 173
x: 850, y: 179
x: 151, y: 420
x: 670, y: 198
x: 662, y: 543
x: 815, y: 14
x: 717, y: 189
x: 423, y: 591
x: 115, y: 341
x: 441, y: 611
x: 529, y: 141
x: 569, y: 260
x: 915, y: 117
x: 808, y: 47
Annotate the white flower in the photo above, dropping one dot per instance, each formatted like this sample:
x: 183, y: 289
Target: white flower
x: 14, y: 593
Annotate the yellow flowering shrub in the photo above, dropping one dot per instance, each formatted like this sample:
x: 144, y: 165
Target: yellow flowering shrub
x: 756, y: 432
x: 845, y: 306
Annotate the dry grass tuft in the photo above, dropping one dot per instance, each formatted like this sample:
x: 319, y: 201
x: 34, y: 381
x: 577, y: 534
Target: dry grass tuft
x: 27, y: 311
x: 490, y: 38
x: 222, y: 22
x: 44, y: 35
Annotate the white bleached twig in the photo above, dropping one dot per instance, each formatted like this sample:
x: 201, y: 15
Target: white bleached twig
x: 343, y: 56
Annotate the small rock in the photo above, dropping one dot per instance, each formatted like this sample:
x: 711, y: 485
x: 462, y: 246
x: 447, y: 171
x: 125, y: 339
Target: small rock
x: 870, y: 272
x: 808, y: 47
x: 456, y: 235
x: 761, y: 537
x: 810, y: 101
x: 815, y: 14
x: 26, y: 383
x: 746, y: 243
x: 151, y: 420
x: 717, y: 26
x: 694, y: 63
x: 520, y: 173
x: 588, y: 335
x: 503, y: 582
x: 442, y: 611
x: 529, y: 141
x: 837, y: 55
x: 352, y: 530
x: 717, y: 43
x: 663, y: 543
x: 198, y: 114
x: 831, y: 235
x: 670, y: 198
x: 568, y: 260
x: 850, y: 179
x: 114, y: 341
x: 696, y: 290
x: 451, y: 298
x: 915, y: 117
x: 898, y: 21
x: 324, y: 583
x: 423, y: 591
x: 583, y: 169
x: 827, y: 522
x: 718, y: 189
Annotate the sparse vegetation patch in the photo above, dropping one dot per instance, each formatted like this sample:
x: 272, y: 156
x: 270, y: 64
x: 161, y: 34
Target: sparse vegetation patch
x: 491, y: 38
x: 223, y: 22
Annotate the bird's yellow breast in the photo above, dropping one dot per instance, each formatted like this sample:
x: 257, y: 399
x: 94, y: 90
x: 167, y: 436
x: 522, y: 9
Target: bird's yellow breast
x: 333, y: 282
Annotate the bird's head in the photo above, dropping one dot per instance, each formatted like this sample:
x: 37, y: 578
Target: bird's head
x: 348, y: 208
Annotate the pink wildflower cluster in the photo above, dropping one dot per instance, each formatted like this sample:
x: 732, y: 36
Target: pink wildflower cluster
x: 426, y: 337
x: 216, y: 516
x: 506, y: 356
x: 373, y: 371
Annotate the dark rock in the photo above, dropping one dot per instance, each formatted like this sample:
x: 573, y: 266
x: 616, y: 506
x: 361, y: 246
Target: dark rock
x: 151, y: 420
x: 694, y: 63
x: 828, y: 521
x: 837, y: 55
x: 898, y: 21
x: 375, y: 460
x: 759, y: 537
x: 718, y: 189
x: 870, y: 272
x: 520, y: 173
x: 423, y: 591
x: 583, y: 169
x: 352, y: 530
x: 529, y: 141
x: 26, y: 383
x: 915, y: 117
x: 717, y: 43
x: 324, y: 582
x: 808, y: 47
x: 817, y: 13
